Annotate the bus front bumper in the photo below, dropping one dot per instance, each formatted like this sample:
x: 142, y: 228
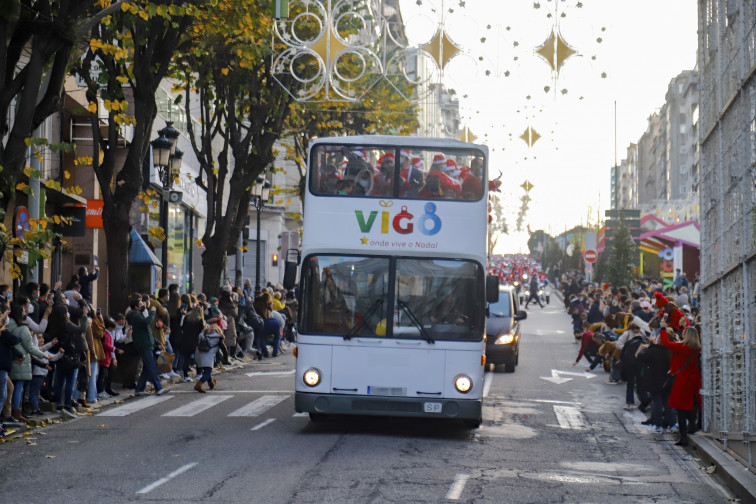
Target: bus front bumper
x: 343, y: 404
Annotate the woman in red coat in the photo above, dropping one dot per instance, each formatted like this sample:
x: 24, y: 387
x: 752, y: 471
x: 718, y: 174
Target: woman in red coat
x: 685, y: 396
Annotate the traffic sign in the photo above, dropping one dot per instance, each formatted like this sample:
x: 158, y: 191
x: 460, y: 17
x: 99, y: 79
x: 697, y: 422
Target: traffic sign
x: 590, y: 256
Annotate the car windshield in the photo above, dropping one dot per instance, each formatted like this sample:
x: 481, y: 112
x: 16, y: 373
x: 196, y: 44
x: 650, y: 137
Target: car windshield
x: 501, y: 308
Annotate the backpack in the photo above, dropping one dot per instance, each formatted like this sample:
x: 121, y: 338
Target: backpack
x: 204, y: 344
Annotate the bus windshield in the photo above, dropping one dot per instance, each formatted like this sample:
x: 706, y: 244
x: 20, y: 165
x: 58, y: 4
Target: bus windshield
x: 431, y: 299
x: 385, y: 172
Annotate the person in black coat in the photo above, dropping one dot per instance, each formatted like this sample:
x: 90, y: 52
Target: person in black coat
x: 192, y: 324
x: 654, y: 364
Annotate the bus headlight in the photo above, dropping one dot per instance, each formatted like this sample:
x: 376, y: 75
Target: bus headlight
x: 463, y: 383
x: 311, y: 377
x: 505, y: 339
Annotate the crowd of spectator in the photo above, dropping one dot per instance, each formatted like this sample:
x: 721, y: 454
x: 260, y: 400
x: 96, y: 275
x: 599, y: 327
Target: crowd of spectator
x: 647, y: 338
x: 59, y: 352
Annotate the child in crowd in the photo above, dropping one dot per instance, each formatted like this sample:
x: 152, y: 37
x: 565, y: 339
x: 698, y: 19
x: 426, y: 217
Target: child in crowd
x: 40, y: 367
x: 104, y: 390
x: 209, y: 341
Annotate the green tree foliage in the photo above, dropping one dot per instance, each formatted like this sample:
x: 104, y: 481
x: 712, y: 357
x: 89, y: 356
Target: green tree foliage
x: 227, y: 74
x: 133, y: 48
x: 620, y: 270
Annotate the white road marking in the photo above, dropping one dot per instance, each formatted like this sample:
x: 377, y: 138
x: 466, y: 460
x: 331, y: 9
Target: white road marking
x: 263, y: 424
x: 555, y: 402
x: 236, y: 392
x: 457, y: 487
x: 556, y: 376
x: 569, y: 417
x: 259, y: 406
x: 165, y: 479
x: 133, y: 407
x: 487, y: 383
x: 198, y: 406
x: 300, y: 414
x: 272, y: 373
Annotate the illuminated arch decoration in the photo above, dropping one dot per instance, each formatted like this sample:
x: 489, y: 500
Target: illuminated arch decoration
x: 337, y: 50
x: 332, y: 50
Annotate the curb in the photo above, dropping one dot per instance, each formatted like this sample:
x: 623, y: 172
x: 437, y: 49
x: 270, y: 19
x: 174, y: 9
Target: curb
x: 737, y: 477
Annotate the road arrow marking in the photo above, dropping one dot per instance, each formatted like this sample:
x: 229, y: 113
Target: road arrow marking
x: 557, y: 378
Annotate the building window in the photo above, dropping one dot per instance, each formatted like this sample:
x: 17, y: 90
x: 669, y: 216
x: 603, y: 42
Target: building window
x: 682, y: 129
x: 683, y: 170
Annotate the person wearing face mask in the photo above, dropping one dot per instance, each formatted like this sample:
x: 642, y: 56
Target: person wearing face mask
x: 5, y: 295
x: 21, y: 373
x: 363, y: 182
x: 32, y: 292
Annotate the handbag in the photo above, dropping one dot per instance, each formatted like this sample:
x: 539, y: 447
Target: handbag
x: 164, y: 362
x: 669, y: 381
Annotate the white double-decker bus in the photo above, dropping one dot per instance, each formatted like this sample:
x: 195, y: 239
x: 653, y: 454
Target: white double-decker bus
x: 393, y: 286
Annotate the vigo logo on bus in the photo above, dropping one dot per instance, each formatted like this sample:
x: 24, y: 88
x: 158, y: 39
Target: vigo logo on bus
x: 403, y: 222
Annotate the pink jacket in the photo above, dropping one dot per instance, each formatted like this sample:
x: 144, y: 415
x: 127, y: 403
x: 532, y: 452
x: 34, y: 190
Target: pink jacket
x: 107, y: 346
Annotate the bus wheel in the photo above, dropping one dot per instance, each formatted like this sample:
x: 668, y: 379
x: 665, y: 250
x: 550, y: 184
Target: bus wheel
x: 317, y: 417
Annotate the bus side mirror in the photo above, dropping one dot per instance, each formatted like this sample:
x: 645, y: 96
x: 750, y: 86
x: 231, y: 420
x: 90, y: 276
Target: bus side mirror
x: 492, y: 288
x: 290, y: 269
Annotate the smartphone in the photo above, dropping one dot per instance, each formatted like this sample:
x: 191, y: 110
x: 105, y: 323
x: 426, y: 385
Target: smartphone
x: 99, y: 312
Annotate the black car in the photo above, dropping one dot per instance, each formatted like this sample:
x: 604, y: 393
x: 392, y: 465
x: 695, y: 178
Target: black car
x: 503, y: 330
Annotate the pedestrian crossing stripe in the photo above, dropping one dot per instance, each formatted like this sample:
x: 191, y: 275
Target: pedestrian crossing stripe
x: 133, y: 407
x: 198, y: 406
x: 259, y: 405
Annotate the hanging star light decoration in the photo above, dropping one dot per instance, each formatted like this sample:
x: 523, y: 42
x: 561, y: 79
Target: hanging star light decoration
x: 556, y: 50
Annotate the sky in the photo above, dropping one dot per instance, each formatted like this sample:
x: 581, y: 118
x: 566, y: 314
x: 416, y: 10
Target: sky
x: 626, y: 53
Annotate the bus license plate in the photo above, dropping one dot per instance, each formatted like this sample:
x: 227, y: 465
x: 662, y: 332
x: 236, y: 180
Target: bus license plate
x: 433, y: 407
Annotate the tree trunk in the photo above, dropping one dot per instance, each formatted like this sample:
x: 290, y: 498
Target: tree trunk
x: 213, y: 261
x: 117, y: 226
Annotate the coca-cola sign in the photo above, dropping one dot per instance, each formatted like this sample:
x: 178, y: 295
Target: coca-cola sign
x: 94, y: 213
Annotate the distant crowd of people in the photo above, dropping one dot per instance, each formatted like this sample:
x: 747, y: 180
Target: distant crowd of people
x: 647, y: 338
x: 56, y: 347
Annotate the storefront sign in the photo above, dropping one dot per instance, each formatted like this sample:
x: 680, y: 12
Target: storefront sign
x: 94, y: 213
x: 78, y: 216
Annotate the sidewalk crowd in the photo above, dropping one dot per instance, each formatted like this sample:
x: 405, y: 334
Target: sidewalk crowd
x: 647, y: 338
x: 60, y: 353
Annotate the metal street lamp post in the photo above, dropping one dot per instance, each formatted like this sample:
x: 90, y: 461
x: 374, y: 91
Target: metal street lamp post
x: 167, y: 160
x: 261, y: 192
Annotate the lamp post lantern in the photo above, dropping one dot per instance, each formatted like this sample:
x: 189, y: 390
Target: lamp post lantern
x: 167, y: 160
x: 261, y: 192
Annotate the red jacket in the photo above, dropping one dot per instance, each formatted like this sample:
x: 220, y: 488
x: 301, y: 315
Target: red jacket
x: 687, y: 383
x: 107, y: 346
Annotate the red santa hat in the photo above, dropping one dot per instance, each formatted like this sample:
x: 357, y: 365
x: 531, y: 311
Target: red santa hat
x: 439, y: 159
x: 451, y: 165
x: 418, y: 163
x: 405, y: 153
x: 661, y: 301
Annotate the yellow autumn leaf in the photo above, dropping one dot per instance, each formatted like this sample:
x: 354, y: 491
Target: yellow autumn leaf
x: 20, y: 186
x: 92, y: 107
x: 56, y: 219
x: 154, y: 204
x: 33, y: 223
x: 43, y: 223
x: 125, y: 6
x: 67, y: 174
x: 28, y: 171
x: 123, y: 79
x: 225, y: 71
x: 50, y: 184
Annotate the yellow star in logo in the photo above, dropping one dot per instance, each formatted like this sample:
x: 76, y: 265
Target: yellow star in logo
x: 364, y: 240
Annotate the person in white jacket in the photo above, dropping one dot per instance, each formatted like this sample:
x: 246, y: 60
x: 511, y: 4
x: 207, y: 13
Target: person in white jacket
x: 40, y: 368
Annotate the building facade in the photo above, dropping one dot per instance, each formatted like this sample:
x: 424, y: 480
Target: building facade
x: 727, y: 63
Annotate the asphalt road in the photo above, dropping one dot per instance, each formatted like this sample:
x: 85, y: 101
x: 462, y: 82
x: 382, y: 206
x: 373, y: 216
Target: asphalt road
x: 542, y: 441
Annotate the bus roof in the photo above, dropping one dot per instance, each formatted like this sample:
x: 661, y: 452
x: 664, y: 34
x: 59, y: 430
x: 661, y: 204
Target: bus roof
x: 399, y: 141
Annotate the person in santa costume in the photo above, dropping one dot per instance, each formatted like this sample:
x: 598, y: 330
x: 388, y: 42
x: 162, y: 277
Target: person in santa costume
x: 676, y: 319
x: 450, y: 187
x: 411, y: 170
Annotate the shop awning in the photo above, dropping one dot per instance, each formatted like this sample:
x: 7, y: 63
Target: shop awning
x: 140, y: 253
